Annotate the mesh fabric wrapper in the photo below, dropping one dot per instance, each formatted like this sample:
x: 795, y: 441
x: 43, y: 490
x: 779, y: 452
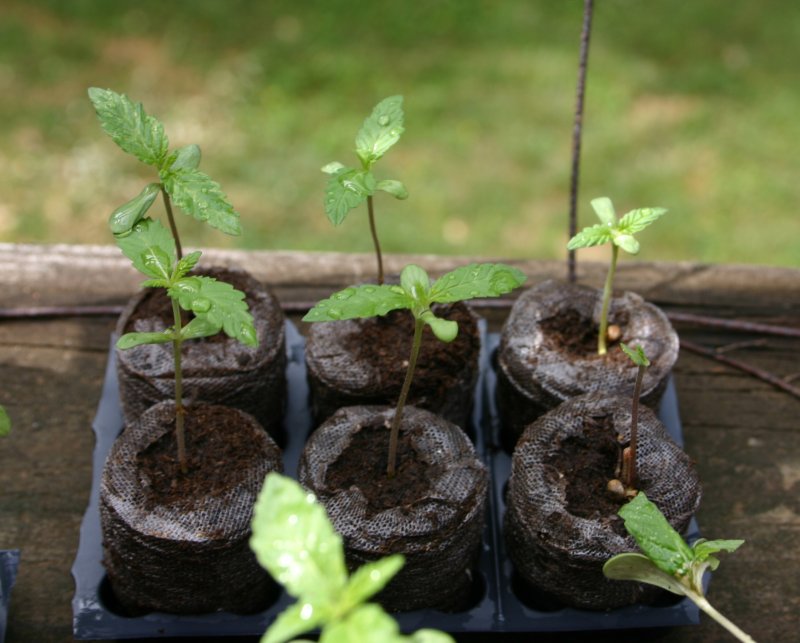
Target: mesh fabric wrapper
x: 439, y: 535
x: 562, y: 554
x: 533, y: 378
x: 338, y: 378
x: 219, y: 371
x: 182, y: 559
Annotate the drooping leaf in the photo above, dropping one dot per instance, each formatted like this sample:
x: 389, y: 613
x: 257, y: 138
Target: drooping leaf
x: 334, y: 167
x: 5, y: 422
x: 366, y: 624
x: 359, y: 301
x: 151, y: 249
x: 625, y: 241
x: 640, y: 568
x: 380, y: 131
x: 129, y: 340
x: 295, y: 542
x: 346, y: 190
x: 295, y: 619
x: 703, y: 549
x: 604, y: 210
x: 368, y: 580
x: 476, y: 280
x: 415, y: 281
x: 130, y: 126
x: 395, y: 188
x: 637, y: 220
x: 129, y: 214
x: 656, y: 537
x: 444, y: 329
x: 187, y: 263
x: 636, y: 355
x: 198, y: 195
x: 218, y: 302
x: 186, y: 158
x: 199, y: 327
x: 595, y: 235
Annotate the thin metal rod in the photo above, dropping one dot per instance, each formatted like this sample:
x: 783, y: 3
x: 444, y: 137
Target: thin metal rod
x: 734, y: 324
x: 577, y: 131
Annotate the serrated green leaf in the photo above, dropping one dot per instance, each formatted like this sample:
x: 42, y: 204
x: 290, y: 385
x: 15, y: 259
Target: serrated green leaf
x: 637, y: 220
x: 444, y: 329
x: 218, y: 302
x: 129, y: 214
x: 346, y: 190
x: 198, y: 195
x: 295, y: 542
x: 636, y: 355
x: 595, y: 235
x: 476, y: 280
x: 186, y: 158
x: 395, y: 188
x: 639, y: 568
x: 704, y: 548
x: 129, y: 340
x: 155, y: 283
x: 380, y: 131
x: 151, y: 249
x: 626, y: 242
x: 199, y: 327
x: 368, y: 580
x: 359, y: 301
x: 187, y: 263
x: 295, y: 619
x: 129, y: 126
x: 367, y: 624
x: 334, y: 167
x: 604, y: 210
x: 656, y: 537
x: 5, y: 422
x: 415, y: 281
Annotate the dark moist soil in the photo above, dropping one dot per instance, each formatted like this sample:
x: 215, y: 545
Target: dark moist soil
x: 573, y: 334
x: 157, y: 305
x: 588, y: 461
x: 387, y: 340
x: 363, y: 465
x: 219, y: 451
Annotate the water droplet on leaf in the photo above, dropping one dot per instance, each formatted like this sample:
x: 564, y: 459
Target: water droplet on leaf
x: 383, y: 121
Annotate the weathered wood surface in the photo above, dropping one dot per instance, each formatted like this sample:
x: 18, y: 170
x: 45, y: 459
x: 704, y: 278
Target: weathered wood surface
x: 742, y: 433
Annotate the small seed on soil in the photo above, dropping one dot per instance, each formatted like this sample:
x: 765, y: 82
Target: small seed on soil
x: 615, y: 488
x: 613, y: 333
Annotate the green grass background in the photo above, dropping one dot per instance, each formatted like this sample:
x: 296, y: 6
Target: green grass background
x: 694, y: 106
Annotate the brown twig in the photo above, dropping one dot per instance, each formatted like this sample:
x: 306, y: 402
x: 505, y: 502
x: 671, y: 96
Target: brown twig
x: 760, y: 373
x: 734, y: 324
x: 577, y: 130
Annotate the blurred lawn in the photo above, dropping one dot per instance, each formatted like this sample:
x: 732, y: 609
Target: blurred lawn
x: 692, y: 106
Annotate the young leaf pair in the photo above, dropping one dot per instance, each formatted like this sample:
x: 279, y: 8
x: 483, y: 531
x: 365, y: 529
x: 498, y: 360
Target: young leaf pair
x: 143, y: 136
x: 619, y: 232
x: 348, y: 187
x: 417, y: 294
x: 669, y: 562
x: 294, y: 540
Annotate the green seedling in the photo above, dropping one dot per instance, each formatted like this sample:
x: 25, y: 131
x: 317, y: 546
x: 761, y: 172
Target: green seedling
x: 180, y: 180
x: 417, y: 294
x: 669, y: 562
x: 5, y: 422
x: 214, y: 304
x: 619, y: 232
x: 628, y: 485
x: 349, y: 187
x: 294, y: 540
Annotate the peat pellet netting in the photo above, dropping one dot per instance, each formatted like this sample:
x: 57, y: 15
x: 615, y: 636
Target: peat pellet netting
x: 364, y: 361
x: 561, y: 553
x: 190, y: 555
x: 540, y: 363
x: 218, y: 369
x: 438, y: 531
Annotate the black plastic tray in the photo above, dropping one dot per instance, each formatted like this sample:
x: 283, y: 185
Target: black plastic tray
x: 496, y: 608
x: 9, y: 561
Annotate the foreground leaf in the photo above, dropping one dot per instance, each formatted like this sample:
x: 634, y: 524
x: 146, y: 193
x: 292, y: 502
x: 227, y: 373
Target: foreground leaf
x: 476, y: 280
x: 129, y: 214
x: 393, y: 187
x: 198, y: 195
x: 637, y: 220
x: 151, y: 249
x: 595, y: 235
x: 639, y: 568
x: 381, y: 130
x: 636, y: 355
x: 368, y: 580
x: 295, y: 542
x: 345, y: 190
x: 359, y: 301
x: 129, y: 340
x: 295, y: 619
x: 130, y: 127
x: 366, y: 624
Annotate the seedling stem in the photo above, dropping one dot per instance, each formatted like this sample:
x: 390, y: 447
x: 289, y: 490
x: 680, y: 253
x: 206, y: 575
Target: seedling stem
x: 602, y: 337
x: 173, y: 228
x: 373, y: 230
